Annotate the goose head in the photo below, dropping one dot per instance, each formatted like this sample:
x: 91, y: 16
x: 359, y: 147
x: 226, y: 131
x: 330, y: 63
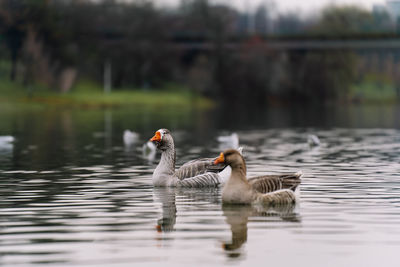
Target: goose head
x: 163, y: 139
x: 233, y: 158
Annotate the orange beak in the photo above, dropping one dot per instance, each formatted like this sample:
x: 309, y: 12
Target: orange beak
x: 156, y: 137
x: 220, y: 159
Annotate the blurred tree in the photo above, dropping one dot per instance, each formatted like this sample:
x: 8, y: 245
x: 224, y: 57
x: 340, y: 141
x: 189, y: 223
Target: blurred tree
x: 203, y: 44
x: 344, y: 21
x: 321, y: 76
x: 289, y: 24
x: 13, y: 29
x: 58, y: 36
x: 326, y: 75
x: 214, y: 24
x: 202, y: 19
x: 35, y: 37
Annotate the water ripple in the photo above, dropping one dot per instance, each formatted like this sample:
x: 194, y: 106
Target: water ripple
x: 108, y: 212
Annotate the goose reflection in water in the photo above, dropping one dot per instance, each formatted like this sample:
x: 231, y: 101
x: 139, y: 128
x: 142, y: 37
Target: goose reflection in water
x: 237, y: 216
x: 166, y: 196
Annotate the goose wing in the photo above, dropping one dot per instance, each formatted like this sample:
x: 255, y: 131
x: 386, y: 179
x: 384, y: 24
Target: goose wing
x: 198, y: 166
x: 209, y: 179
x: 270, y: 183
x: 280, y: 197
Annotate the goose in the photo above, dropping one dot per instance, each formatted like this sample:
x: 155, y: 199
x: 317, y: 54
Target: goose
x: 268, y: 189
x: 195, y: 173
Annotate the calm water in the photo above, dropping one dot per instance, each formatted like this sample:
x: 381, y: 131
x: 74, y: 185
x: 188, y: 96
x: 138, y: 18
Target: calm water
x: 72, y: 194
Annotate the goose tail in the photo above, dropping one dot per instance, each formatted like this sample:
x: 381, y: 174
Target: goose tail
x: 280, y: 197
x: 291, y: 181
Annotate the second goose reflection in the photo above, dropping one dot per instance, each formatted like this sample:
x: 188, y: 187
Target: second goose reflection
x: 237, y: 216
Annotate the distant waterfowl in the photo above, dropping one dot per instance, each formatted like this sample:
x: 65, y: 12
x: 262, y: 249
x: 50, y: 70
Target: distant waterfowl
x: 268, y: 189
x: 149, y: 151
x: 228, y: 141
x: 195, y: 173
x: 313, y: 140
x: 6, y: 144
x: 6, y: 139
x: 130, y: 137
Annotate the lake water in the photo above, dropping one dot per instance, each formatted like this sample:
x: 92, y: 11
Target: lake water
x: 72, y: 194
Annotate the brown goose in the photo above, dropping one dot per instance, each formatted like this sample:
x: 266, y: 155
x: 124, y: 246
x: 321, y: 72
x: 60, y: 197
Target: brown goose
x: 195, y: 173
x: 273, y: 190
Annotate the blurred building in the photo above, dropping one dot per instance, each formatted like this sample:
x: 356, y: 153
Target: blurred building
x: 378, y: 8
x: 393, y: 8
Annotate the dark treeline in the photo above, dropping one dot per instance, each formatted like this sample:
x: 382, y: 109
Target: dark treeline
x: 138, y: 45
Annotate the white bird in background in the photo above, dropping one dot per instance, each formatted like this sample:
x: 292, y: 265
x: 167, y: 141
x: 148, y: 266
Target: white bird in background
x: 130, y: 138
x: 6, y: 141
x: 228, y: 141
x: 149, y: 151
x: 313, y: 140
x: 6, y: 145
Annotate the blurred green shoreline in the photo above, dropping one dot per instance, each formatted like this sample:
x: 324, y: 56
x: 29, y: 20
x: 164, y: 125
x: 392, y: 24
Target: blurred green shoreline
x: 90, y: 95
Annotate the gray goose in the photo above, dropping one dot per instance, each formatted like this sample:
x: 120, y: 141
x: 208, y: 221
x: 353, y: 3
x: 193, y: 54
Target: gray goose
x: 195, y: 173
x: 268, y: 189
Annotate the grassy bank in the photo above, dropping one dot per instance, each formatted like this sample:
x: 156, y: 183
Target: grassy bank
x: 90, y: 95
x: 374, y: 88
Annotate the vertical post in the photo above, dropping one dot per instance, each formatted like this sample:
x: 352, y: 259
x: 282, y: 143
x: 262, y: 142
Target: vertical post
x: 108, y: 130
x: 107, y: 76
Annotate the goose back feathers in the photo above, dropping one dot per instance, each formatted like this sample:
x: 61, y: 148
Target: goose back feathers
x: 270, y: 183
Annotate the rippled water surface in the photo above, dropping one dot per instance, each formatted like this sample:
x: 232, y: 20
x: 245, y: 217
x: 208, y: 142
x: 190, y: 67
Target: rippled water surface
x: 88, y: 201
